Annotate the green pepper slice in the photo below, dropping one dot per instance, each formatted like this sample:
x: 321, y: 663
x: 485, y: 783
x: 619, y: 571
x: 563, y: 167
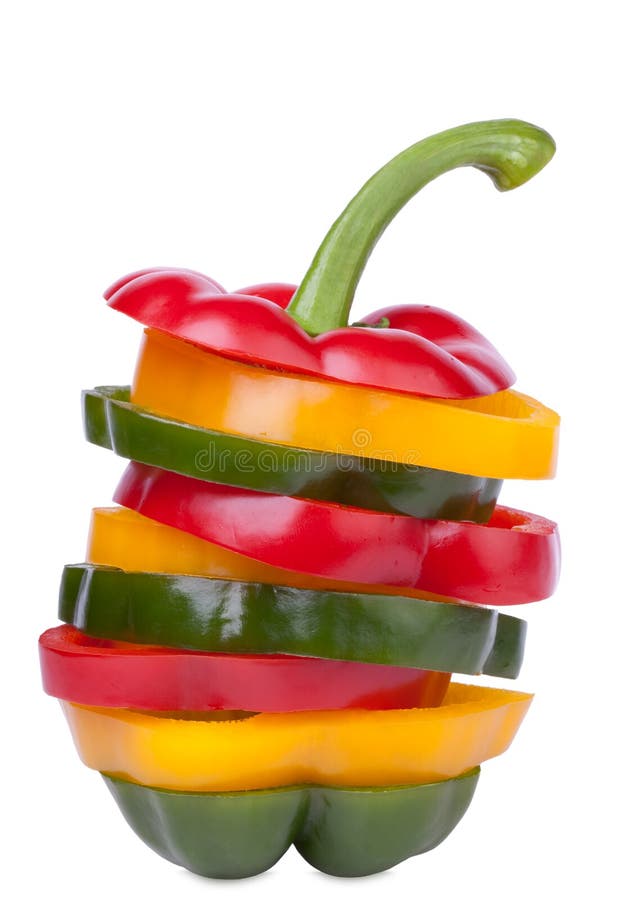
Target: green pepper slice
x: 112, y: 421
x: 209, y: 614
x: 340, y: 831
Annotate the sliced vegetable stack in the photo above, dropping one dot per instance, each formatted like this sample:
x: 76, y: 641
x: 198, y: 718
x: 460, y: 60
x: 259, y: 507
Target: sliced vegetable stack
x: 307, y: 543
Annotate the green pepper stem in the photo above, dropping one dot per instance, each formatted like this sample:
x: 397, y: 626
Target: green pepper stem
x: 508, y: 150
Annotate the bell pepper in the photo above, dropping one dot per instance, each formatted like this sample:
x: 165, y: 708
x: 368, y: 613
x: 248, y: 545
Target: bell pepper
x: 420, y: 350
x: 505, y: 435
x: 345, y: 748
x: 99, y: 672
x: 269, y: 661
x: 513, y: 559
x: 340, y: 831
x: 237, y: 617
x: 113, y: 422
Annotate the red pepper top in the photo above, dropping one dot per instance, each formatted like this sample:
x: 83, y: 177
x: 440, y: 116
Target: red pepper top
x: 420, y: 349
x: 414, y: 349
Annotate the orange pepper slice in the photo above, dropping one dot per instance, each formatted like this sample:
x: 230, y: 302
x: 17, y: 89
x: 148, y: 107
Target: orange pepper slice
x: 504, y: 435
x: 340, y: 747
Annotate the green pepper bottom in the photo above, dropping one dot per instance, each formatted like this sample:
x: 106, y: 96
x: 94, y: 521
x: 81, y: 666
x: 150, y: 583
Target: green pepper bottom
x: 340, y: 831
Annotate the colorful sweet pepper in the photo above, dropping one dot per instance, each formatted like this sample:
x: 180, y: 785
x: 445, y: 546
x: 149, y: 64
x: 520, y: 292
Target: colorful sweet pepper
x: 258, y: 649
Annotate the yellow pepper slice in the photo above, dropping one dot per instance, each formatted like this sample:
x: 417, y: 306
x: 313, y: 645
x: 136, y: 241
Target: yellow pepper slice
x: 127, y: 540
x: 504, y: 435
x: 340, y: 747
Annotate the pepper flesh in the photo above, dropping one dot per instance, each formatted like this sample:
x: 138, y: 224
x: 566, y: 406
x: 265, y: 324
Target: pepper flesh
x: 345, y: 832
x: 343, y: 748
x: 101, y: 672
x: 113, y: 422
x: 433, y: 353
x: 513, y: 559
x: 505, y: 435
x: 236, y: 617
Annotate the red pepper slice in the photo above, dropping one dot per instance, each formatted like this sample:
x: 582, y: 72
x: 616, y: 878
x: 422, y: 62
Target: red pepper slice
x: 99, y: 672
x: 415, y: 349
x: 515, y: 558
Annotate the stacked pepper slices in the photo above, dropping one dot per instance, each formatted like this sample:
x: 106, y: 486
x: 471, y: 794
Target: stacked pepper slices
x: 258, y: 650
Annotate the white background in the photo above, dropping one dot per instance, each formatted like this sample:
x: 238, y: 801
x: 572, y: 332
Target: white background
x: 226, y: 137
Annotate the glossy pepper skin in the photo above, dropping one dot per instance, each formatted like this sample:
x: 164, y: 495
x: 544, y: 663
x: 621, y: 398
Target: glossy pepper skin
x: 112, y: 421
x: 418, y: 349
x: 101, y: 672
x: 238, y: 617
x: 504, y: 435
x: 513, y: 559
x: 347, y: 748
x: 340, y: 831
